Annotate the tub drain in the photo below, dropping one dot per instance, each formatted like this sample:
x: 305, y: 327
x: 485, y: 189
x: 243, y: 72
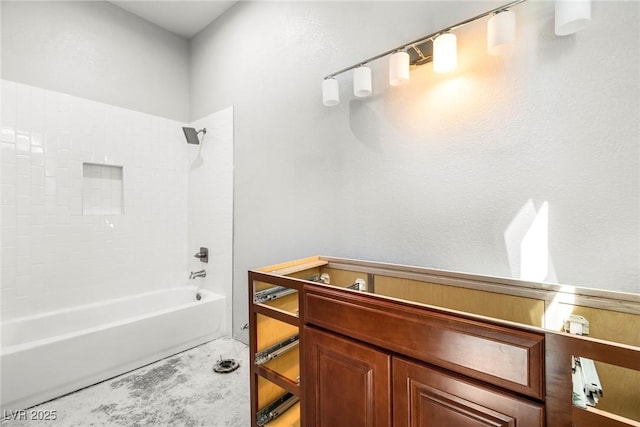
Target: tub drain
x: 224, y: 366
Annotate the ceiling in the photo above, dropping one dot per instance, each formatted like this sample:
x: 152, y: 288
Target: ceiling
x: 183, y: 17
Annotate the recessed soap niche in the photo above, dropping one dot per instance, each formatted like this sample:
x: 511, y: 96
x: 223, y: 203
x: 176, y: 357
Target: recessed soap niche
x: 102, y: 190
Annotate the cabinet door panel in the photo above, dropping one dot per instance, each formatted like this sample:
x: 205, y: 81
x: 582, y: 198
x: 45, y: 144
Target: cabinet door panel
x: 345, y: 383
x: 432, y: 407
x: 429, y: 397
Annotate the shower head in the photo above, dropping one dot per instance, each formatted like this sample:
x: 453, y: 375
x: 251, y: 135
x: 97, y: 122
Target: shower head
x: 192, y: 134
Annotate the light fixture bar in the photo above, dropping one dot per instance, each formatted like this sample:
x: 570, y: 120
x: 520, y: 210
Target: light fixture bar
x: 426, y: 38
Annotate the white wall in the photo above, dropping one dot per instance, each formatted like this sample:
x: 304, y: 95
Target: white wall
x: 95, y: 50
x: 210, y: 208
x: 53, y: 256
x: 450, y: 171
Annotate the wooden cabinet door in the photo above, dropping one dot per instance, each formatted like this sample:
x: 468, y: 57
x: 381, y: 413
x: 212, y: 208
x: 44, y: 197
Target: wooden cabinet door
x: 428, y: 397
x: 345, y: 383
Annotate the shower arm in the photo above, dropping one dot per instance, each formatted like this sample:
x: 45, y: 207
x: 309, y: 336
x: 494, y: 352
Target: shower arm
x: 193, y: 136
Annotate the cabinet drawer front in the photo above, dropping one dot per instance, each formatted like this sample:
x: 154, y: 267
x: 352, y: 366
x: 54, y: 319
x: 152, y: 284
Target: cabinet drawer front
x: 503, y: 356
x: 425, y: 397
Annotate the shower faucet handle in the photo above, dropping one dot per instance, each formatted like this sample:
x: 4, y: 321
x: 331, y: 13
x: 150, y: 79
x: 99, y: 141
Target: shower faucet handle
x: 203, y: 255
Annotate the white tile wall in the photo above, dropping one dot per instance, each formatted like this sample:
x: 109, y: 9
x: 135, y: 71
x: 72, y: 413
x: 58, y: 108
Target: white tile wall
x: 101, y: 189
x: 53, y: 256
x: 211, y: 204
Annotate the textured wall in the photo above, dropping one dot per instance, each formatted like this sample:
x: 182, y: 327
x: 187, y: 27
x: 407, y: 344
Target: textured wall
x: 523, y: 166
x: 95, y: 50
x: 53, y: 256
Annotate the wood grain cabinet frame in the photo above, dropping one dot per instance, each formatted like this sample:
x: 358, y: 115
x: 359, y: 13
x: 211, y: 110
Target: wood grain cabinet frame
x: 505, y: 357
x: 408, y: 352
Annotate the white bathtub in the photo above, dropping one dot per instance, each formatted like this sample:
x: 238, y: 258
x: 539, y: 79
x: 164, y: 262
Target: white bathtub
x: 49, y: 355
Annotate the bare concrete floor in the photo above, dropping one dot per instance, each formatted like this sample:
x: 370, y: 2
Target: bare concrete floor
x: 181, y: 390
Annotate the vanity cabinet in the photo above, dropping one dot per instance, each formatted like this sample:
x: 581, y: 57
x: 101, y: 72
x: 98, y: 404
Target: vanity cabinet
x: 347, y: 383
x: 339, y: 342
x: 345, y: 374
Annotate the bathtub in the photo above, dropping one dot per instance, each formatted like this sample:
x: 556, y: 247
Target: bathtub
x: 48, y: 355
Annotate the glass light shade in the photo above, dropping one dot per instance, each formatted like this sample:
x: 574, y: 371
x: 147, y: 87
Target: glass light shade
x: 501, y: 33
x: 572, y: 16
x: 330, y: 92
x: 445, y: 53
x: 398, y: 68
x: 362, y: 81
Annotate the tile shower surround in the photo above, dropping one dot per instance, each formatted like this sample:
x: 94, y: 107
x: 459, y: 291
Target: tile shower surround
x: 53, y: 256
x: 101, y: 189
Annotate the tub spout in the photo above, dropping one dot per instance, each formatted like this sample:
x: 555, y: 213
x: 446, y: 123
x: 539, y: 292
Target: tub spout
x: 194, y: 274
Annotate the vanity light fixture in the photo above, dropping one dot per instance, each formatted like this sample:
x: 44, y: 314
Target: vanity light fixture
x: 501, y: 32
x: 445, y: 53
x: 441, y: 47
x: 330, y: 92
x: 399, y: 63
x: 362, y: 81
x: 571, y: 16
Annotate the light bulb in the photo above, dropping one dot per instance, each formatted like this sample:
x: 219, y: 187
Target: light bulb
x: 330, y: 92
x: 362, y: 81
x: 501, y: 33
x: 445, y: 53
x: 398, y: 68
x: 571, y: 16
